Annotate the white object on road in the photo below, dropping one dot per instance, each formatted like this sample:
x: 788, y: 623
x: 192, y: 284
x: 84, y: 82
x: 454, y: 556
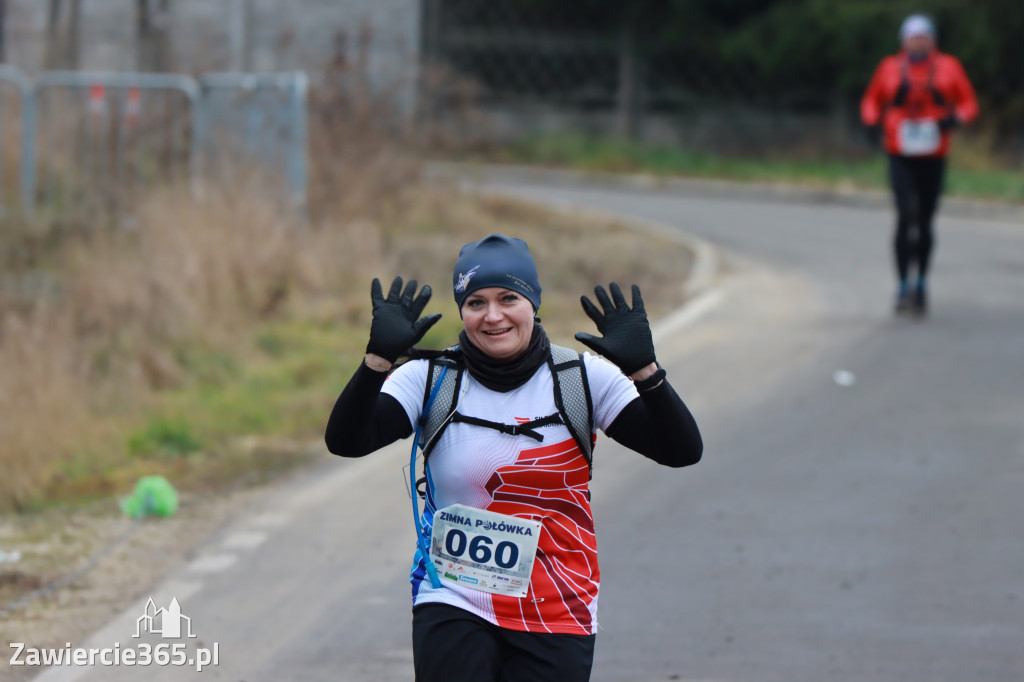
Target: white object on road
x: 9, y: 557
x: 844, y: 378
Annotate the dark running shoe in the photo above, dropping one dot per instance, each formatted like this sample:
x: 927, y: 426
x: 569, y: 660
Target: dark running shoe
x: 919, y: 304
x: 904, y: 303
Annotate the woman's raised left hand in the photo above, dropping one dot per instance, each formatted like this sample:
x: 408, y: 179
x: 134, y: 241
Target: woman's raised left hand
x: 626, y: 339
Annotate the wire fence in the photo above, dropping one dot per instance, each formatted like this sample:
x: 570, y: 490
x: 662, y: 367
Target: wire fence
x: 542, y: 68
x: 472, y: 73
x: 494, y: 70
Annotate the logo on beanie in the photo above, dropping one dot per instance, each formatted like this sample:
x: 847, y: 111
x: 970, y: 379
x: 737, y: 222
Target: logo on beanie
x: 463, y: 282
x: 521, y: 283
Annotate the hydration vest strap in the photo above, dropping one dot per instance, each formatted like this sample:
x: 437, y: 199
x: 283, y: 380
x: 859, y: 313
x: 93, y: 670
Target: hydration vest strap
x: 571, y: 395
x: 526, y: 429
x: 441, y: 396
x: 422, y: 553
x: 904, y: 89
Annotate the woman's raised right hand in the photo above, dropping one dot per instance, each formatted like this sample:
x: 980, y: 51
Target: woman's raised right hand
x: 396, y: 326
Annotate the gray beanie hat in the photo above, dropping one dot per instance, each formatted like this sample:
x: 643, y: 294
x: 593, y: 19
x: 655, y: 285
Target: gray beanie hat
x: 496, y: 261
x: 917, y: 25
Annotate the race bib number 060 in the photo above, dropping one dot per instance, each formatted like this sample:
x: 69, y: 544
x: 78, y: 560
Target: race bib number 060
x: 483, y: 550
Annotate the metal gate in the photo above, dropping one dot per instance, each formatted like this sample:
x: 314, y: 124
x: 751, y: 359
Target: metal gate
x: 102, y: 138
x: 254, y: 129
x: 89, y: 143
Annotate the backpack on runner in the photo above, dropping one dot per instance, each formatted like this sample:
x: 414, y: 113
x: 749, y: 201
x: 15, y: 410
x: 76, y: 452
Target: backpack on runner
x: 571, y: 393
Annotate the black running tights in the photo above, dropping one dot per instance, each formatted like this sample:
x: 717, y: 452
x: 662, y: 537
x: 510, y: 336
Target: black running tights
x: 916, y: 186
x: 452, y: 645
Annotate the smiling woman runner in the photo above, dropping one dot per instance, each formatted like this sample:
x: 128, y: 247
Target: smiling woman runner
x: 505, y: 580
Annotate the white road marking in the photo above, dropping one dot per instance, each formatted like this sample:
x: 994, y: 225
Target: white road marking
x: 212, y: 563
x: 689, y: 314
x: 270, y: 520
x: 245, y: 540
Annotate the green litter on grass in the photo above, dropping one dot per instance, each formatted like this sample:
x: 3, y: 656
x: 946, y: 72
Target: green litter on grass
x: 153, y: 496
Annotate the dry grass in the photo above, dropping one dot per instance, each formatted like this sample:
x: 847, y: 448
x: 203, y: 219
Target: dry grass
x: 573, y: 254
x: 100, y: 328
x: 91, y: 346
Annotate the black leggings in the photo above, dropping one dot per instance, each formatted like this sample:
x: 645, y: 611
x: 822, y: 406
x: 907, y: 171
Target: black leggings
x: 453, y: 645
x: 916, y: 185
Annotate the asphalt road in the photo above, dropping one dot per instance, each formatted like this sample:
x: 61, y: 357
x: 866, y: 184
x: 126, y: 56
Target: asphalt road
x: 869, y: 531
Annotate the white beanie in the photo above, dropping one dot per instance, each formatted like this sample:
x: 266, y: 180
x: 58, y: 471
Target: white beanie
x: 917, y: 25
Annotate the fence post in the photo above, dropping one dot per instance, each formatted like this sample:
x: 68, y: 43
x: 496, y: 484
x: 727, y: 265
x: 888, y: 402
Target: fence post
x: 297, y: 170
x: 240, y: 35
x: 28, y: 136
x: 629, y: 84
x: 3, y: 30
x: 426, y: 109
x: 200, y: 133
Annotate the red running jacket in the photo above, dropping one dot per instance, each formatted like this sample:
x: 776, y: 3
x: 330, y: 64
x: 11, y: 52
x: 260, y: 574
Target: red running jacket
x: 933, y: 88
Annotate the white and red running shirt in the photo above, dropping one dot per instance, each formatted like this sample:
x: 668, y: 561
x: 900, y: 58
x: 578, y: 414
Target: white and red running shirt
x: 547, y: 482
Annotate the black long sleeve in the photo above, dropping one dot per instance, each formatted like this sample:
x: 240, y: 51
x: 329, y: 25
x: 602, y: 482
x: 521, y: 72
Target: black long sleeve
x: 659, y: 426
x: 364, y: 419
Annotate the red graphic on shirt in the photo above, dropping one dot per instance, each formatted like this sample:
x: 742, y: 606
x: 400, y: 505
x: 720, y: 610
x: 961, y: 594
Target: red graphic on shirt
x: 549, y: 484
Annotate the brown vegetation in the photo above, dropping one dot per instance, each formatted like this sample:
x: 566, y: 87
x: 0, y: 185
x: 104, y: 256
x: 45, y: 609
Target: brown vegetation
x: 100, y: 327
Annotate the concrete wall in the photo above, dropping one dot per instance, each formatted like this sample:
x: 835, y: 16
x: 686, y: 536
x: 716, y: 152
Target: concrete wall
x: 209, y: 35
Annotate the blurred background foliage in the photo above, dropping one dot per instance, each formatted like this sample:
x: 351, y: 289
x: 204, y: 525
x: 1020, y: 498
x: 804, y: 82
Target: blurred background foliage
x: 792, y: 45
x: 783, y: 54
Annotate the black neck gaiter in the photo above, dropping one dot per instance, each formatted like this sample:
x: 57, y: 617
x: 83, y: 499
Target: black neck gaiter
x: 505, y: 375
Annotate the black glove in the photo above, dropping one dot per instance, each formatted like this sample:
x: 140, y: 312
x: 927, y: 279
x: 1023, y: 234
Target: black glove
x: 951, y: 122
x: 627, y: 337
x: 874, y: 135
x: 395, y: 327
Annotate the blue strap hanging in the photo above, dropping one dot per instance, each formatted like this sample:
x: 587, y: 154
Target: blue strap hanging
x: 422, y: 550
